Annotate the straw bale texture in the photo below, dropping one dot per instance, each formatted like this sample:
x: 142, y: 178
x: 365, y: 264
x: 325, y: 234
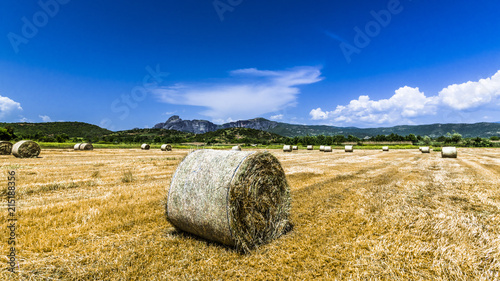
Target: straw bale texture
x: 26, y: 149
x: 449, y: 152
x: 328, y: 149
x: 145, y: 146
x: 348, y: 148
x: 236, y: 147
x: 5, y: 148
x: 321, y: 148
x: 425, y: 149
x: 86, y: 146
x: 295, y: 147
x: 166, y: 147
x: 310, y: 147
x: 77, y: 146
x: 240, y: 199
x: 385, y: 148
x: 287, y: 148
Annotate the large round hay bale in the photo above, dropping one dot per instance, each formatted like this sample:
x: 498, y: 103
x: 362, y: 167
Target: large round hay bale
x: 86, y: 146
x: 166, y: 147
x: 310, y: 147
x: 295, y: 147
x: 425, y: 149
x: 77, y: 146
x: 239, y: 199
x: 5, y: 148
x: 348, y: 148
x: 26, y: 149
x: 449, y: 152
x: 145, y: 146
x: 327, y: 149
x: 321, y: 148
x: 385, y: 148
x: 287, y: 148
x: 236, y: 147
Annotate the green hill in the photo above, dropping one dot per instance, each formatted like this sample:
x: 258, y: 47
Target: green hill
x: 71, y: 129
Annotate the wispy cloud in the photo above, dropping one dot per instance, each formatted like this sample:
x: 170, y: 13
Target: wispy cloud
x: 45, y: 118
x: 409, y: 104
x: 248, y: 93
x: 8, y: 107
x: 276, y: 117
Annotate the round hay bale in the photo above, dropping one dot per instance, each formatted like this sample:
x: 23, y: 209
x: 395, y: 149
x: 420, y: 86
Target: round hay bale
x: 145, y: 146
x: 449, y: 152
x: 295, y: 147
x: 239, y: 199
x: 86, y: 146
x: 385, y: 148
x: 26, y: 149
x: 328, y: 149
x: 287, y: 148
x: 166, y: 147
x: 5, y: 148
x: 321, y: 148
x: 348, y: 148
x: 236, y: 147
x: 425, y: 149
x: 310, y: 147
x: 77, y: 146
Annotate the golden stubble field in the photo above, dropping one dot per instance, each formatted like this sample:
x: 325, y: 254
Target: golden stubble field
x: 367, y: 215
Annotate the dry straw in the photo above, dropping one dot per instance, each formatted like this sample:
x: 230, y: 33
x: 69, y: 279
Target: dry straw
x: 385, y: 148
x: 328, y: 149
x: 145, y: 146
x: 240, y: 199
x: 77, y: 146
x: 287, y: 148
x: 348, y: 148
x: 166, y: 147
x: 5, y: 148
x: 26, y: 149
x: 321, y: 148
x: 449, y: 152
x: 236, y: 148
x: 310, y: 147
x: 295, y: 147
x: 425, y: 149
x: 86, y: 146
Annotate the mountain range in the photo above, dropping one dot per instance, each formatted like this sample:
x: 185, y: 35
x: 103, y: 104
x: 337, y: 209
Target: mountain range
x: 483, y: 129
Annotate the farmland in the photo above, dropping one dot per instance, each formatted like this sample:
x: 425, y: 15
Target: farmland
x: 365, y: 215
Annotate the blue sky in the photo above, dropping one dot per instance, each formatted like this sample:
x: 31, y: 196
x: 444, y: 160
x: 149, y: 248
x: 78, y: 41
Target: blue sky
x: 126, y: 64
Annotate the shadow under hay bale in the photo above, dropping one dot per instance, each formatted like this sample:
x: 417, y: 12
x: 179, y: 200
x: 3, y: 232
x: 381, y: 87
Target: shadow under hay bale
x: 348, y: 148
x: 26, y: 149
x: 77, y: 146
x: 310, y: 147
x: 145, y: 146
x: 287, y: 148
x: 86, y: 146
x: 240, y: 199
x: 327, y: 149
x: 449, y: 152
x: 166, y: 147
x: 5, y: 148
x: 236, y: 147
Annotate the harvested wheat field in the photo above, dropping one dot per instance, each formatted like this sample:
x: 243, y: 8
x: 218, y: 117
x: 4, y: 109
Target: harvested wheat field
x: 398, y: 215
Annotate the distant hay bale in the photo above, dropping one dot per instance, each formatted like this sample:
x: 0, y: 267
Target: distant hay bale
x: 166, y: 147
x: 86, y: 146
x: 5, y: 148
x: 26, y: 149
x: 145, y: 146
x: 385, y: 148
x: 77, y: 146
x: 449, y: 152
x: 240, y: 199
x: 425, y: 149
x: 420, y: 148
x: 348, y: 148
x: 287, y: 148
x: 295, y: 147
x: 327, y: 149
x: 236, y: 147
x: 321, y: 148
x: 310, y: 147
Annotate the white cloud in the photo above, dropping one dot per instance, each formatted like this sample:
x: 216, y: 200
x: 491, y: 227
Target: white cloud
x: 471, y: 95
x: 251, y: 92
x: 8, y: 106
x: 408, y: 104
x: 276, y: 117
x: 45, y: 118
